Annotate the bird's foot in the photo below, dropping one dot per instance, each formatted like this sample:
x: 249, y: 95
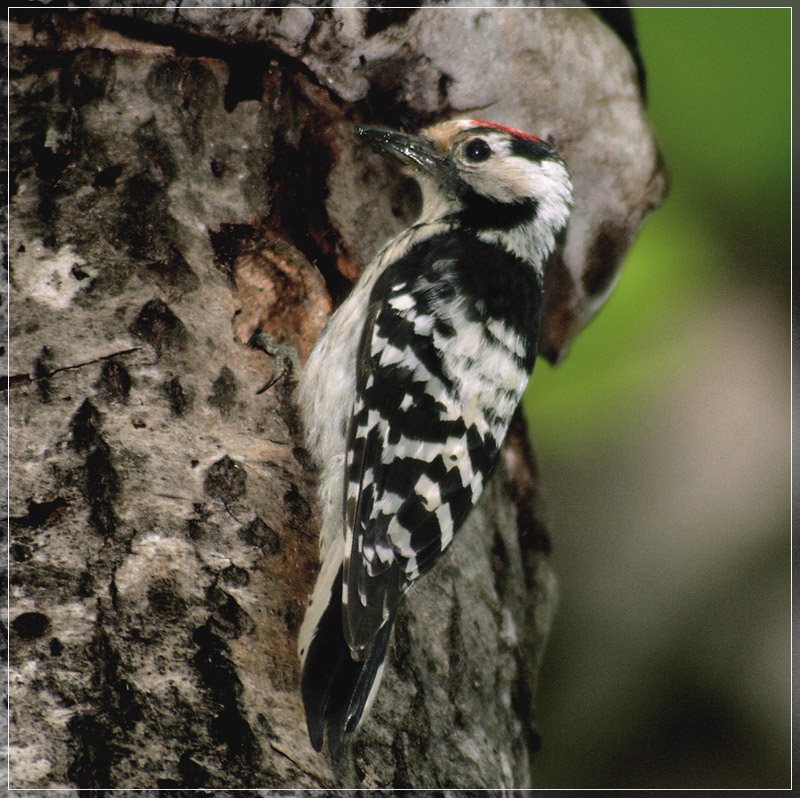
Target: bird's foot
x: 285, y: 357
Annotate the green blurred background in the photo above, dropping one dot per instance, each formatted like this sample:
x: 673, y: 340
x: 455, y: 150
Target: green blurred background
x: 664, y: 444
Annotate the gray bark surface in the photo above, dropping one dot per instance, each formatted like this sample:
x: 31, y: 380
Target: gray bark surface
x: 179, y: 180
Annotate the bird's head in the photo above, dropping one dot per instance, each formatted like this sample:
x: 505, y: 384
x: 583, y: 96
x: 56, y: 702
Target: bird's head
x: 493, y: 176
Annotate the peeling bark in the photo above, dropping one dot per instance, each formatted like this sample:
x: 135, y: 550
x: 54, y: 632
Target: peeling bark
x: 179, y: 180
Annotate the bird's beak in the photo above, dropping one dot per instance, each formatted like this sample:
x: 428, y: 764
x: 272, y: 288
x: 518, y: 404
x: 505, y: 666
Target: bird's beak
x: 409, y: 149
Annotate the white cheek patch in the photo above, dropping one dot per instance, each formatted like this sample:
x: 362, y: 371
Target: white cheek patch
x: 499, y: 179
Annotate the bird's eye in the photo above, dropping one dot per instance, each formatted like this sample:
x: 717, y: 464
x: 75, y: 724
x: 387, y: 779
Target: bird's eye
x: 477, y: 150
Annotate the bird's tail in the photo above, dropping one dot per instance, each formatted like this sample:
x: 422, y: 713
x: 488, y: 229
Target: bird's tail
x: 337, y: 691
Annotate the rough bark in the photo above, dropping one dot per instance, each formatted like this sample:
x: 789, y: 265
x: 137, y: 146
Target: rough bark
x: 180, y: 179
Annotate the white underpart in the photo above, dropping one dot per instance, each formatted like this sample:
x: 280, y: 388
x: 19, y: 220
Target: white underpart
x: 320, y: 599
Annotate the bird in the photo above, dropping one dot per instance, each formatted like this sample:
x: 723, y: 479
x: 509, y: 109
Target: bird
x: 409, y: 390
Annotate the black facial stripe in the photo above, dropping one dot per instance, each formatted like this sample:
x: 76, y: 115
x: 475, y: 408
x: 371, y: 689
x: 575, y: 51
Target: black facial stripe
x: 533, y: 150
x: 482, y: 213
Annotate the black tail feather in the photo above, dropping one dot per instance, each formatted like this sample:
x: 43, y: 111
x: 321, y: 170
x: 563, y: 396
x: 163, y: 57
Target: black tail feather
x: 335, y: 688
x: 349, y: 699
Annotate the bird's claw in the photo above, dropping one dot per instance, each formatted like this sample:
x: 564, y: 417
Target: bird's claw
x: 284, y: 355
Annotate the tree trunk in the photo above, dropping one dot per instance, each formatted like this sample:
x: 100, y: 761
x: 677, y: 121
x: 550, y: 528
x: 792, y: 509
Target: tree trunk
x: 180, y: 179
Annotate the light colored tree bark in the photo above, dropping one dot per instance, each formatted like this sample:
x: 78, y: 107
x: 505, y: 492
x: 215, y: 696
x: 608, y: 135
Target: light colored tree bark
x: 179, y: 179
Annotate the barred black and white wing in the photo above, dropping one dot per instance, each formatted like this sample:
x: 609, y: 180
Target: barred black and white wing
x: 444, y: 357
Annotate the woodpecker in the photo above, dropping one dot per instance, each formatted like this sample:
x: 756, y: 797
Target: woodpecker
x: 410, y: 388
